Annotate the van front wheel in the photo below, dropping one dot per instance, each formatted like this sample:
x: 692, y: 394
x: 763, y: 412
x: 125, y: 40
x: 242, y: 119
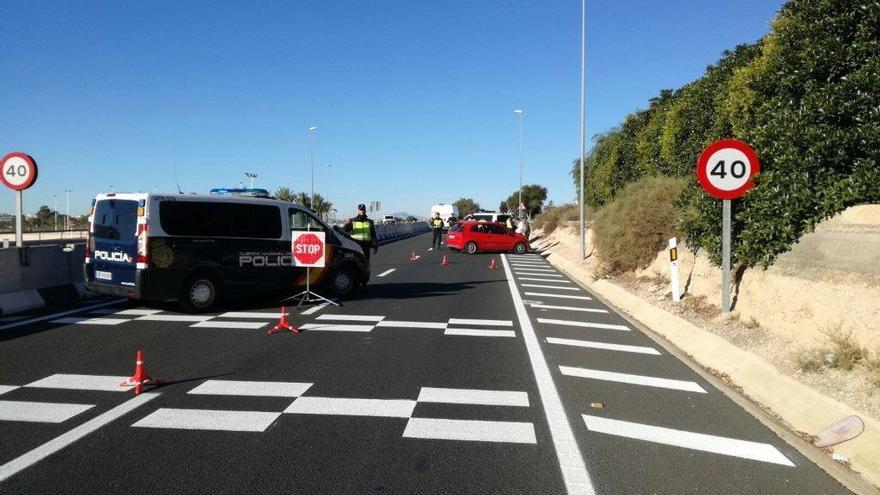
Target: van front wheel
x: 199, y: 293
x: 342, y: 281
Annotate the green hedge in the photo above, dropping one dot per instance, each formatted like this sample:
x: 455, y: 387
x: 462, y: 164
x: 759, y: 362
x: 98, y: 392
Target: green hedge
x: 805, y: 97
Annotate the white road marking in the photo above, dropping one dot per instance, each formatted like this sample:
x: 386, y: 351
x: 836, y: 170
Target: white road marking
x: 648, y: 381
x: 571, y: 462
x: 603, y: 345
x: 63, y: 313
x: 479, y: 332
x: 561, y: 296
x: 330, y: 327
x: 315, y: 309
x: 688, y: 440
x: 474, y: 396
x: 208, y: 419
x: 160, y: 317
x: 242, y: 325
x: 532, y: 273
x: 533, y: 269
x: 40, y: 412
x: 372, y: 318
x: 334, y: 406
x: 100, y: 383
x: 568, y: 308
x: 72, y: 320
x: 58, y: 443
x: 139, y: 312
x: 411, y: 324
x: 555, y: 281
x: 251, y: 389
x: 529, y: 263
x: 465, y: 321
x: 7, y: 388
x: 556, y: 287
x: 470, y: 430
x: 251, y: 314
x: 386, y: 272
x: 584, y: 324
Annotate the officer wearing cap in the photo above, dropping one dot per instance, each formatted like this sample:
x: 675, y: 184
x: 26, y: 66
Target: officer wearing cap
x: 363, y: 231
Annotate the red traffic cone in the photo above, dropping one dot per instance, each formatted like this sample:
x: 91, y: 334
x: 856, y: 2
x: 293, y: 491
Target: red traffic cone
x: 283, y: 324
x: 443, y: 262
x: 140, y: 377
x: 492, y: 264
x: 413, y: 256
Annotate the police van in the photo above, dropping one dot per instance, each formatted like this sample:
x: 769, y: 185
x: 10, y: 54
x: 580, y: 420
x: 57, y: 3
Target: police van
x: 197, y: 248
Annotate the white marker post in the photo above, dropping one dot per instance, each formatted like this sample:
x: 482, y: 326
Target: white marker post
x: 673, y: 268
x: 725, y: 170
x: 18, y: 171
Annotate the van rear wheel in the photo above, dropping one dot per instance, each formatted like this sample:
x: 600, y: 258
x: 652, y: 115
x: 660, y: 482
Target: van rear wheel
x: 199, y: 293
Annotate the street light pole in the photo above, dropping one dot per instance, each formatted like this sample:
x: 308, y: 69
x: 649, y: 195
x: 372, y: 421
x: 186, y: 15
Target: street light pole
x: 520, y: 113
x: 67, y: 200
x: 312, y: 164
x: 327, y: 198
x: 55, y: 209
x: 581, y: 184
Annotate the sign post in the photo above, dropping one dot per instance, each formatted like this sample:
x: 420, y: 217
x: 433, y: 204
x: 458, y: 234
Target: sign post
x: 673, y: 269
x: 308, y: 249
x: 725, y: 170
x: 18, y: 171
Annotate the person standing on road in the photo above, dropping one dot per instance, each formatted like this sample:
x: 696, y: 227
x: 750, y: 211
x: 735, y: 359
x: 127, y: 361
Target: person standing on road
x: 436, y: 224
x: 509, y: 223
x: 362, y: 230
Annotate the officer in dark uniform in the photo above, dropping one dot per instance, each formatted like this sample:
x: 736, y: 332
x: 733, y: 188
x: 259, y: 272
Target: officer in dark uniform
x: 436, y: 224
x: 362, y: 230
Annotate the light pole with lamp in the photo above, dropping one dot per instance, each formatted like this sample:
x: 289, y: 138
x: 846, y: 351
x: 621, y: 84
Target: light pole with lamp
x: 251, y: 176
x: 312, y: 163
x: 67, y: 209
x: 519, y: 112
x: 55, y: 209
x: 327, y: 197
x: 581, y: 205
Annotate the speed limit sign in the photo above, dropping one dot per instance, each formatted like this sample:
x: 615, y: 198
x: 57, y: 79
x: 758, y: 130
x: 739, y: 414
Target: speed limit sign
x: 725, y: 168
x: 18, y: 171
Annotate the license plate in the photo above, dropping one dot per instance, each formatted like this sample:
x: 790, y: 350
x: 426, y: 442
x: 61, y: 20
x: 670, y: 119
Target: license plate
x: 103, y: 275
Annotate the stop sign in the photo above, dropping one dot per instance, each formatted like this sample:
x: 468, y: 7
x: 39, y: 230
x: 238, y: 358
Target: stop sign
x: 308, y: 248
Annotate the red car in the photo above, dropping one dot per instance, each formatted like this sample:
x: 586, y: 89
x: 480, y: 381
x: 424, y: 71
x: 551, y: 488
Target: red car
x: 471, y: 237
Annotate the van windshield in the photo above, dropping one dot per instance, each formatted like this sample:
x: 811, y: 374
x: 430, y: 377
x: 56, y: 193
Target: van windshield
x: 115, y: 219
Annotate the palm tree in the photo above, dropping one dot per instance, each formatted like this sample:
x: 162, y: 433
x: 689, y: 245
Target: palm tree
x: 284, y: 194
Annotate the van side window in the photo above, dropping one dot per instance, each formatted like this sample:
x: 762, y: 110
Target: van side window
x: 300, y: 220
x: 208, y: 219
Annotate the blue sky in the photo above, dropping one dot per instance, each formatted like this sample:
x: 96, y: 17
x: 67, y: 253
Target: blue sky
x: 413, y: 99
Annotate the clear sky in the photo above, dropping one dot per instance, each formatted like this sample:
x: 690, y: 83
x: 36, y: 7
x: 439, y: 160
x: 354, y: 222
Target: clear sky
x: 413, y: 99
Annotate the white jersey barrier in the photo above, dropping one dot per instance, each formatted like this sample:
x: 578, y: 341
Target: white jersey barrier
x: 398, y: 230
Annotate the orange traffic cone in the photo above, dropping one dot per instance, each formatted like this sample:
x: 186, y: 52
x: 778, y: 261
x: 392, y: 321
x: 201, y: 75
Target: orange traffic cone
x: 443, y: 262
x: 413, y: 256
x: 140, y: 377
x: 492, y: 264
x: 283, y: 324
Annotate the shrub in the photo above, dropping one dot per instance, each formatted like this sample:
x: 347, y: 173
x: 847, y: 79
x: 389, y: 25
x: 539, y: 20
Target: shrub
x: 551, y: 217
x: 630, y: 230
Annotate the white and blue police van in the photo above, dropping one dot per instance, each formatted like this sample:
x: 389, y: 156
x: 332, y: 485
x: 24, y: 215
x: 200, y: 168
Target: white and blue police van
x: 198, y: 248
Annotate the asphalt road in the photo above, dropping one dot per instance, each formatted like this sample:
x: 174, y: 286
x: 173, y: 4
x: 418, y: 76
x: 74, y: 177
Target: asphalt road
x: 455, y: 379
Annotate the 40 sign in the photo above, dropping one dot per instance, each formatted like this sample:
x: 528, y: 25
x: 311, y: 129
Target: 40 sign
x: 725, y: 168
x: 18, y: 171
x: 307, y: 248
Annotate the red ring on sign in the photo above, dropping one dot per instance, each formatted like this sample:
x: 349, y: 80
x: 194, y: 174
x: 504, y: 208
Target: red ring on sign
x: 703, y: 161
x: 32, y: 166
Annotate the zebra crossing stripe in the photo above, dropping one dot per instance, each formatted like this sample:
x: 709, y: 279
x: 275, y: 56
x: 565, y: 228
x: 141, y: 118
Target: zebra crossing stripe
x: 160, y: 317
x: 329, y: 327
x: 351, y: 317
x: 474, y: 396
x: 689, y: 440
x: 40, y: 412
x: 567, y: 308
x: 411, y: 324
x: 7, y: 388
x: 583, y: 324
x: 561, y: 296
x: 335, y: 406
x: 479, y: 332
x: 603, y: 345
x: 648, y: 381
x: 73, y: 320
x: 241, y: 325
x: 464, y: 321
x: 208, y: 419
x: 99, y: 383
x: 251, y: 389
x: 250, y: 314
x: 554, y: 287
x: 470, y: 430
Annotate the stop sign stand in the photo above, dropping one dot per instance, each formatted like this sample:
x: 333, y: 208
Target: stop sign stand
x: 725, y: 170
x: 18, y: 171
x: 308, y: 296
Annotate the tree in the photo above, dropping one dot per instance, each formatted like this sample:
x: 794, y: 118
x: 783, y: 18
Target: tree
x: 466, y: 206
x: 533, y: 197
x: 284, y: 194
x: 502, y: 208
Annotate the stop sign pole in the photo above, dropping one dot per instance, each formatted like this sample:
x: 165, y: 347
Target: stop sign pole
x: 18, y: 171
x: 309, y: 259
x: 725, y: 170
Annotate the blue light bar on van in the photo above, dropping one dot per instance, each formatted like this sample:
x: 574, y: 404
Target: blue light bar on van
x: 257, y: 193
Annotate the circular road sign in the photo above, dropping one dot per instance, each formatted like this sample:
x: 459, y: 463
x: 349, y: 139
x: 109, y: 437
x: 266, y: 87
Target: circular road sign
x: 18, y: 171
x: 725, y: 168
x: 308, y: 249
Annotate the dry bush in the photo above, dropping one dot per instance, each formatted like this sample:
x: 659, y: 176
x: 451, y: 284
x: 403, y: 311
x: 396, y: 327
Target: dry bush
x: 701, y: 306
x: 841, y: 352
x: 630, y: 230
x: 550, y: 218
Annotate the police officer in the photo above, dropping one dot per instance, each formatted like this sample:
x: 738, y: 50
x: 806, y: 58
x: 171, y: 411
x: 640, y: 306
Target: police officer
x: 436, y: 224
x: 509, y: 223
x: 363, y: 231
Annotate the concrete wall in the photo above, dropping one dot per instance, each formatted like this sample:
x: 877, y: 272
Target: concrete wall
x: 24, y: 273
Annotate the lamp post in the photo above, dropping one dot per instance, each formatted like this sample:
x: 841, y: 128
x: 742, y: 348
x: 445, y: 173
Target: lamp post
x: 67, y: 209
x: 520, y: 113
x: 251, y: 176
x: 55, y: 209
x: 327, y: 197
x: 312, y: 163
x: 581, y: 187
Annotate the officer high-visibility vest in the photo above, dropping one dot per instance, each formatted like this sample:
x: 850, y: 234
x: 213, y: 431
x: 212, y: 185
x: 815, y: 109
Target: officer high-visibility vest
x: 437, y: 223
x: 360, y: 231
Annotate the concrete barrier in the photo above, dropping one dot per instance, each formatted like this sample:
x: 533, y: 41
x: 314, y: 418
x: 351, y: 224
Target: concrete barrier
x: 33, y: 277
x: 395, y: 231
